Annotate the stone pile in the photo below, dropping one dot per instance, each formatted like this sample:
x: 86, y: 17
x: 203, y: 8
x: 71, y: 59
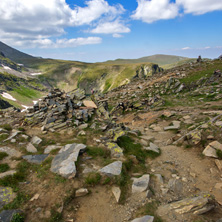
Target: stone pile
x: 59, y: 110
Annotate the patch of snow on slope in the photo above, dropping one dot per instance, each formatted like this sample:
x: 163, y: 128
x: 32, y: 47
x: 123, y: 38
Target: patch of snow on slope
x: 8, y: 96
x: 36, y: 74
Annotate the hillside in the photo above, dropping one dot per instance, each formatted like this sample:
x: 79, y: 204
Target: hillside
x: 157, y: 59
x: 150, y: 150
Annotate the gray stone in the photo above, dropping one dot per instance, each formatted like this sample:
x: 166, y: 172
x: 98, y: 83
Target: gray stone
x: 117, y: 193
x: 81, y: 192
x: 175, y: 126
x: 146, y: 218
x: 10, y: 151
x: 49, y: 148
x: 38, y: 159
x: 30, y: 148
x: 211, y: 149
x: 195, y: 205
x: 83, y: 126
x: 64, y: 162
x: 175, y: 186
x: 6, y: 196
x: 116, y: 151
x: 113, y: 169
x: 14, y: 134
x: 7, y: 215
x: 159, y: 178
x: 140, y: 184
x: 36, y: 140
x: 153, y: 148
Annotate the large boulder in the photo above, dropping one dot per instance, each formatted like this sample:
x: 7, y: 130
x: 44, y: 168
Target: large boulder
x: 64, y: 162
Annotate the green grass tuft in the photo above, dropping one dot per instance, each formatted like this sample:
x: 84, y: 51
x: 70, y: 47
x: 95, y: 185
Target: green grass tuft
x: 4, y: 167
x: 93, y: 178
x: 3, y: 155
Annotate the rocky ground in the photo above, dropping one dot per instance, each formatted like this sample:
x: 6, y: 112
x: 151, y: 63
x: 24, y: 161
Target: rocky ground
x: 148, y: 151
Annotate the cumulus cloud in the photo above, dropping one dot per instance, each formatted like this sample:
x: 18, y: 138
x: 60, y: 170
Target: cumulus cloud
x: 152, y: 10
x: 198, y: 7
x: 115, y: 27
x: 25, y: 22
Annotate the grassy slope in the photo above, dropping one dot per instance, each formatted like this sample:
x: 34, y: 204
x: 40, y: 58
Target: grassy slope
x: 157, y: 59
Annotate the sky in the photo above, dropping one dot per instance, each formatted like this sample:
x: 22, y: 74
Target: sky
x: 100, y: 30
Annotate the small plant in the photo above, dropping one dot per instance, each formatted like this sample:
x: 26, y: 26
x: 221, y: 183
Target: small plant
x: 93, y: 178
x: 4, y: 167
x: 219, y: 154
x: 3, y: 136
x: 3, y: 155
x: 106, y: 181
x: 97, y: 151
x: 6, y: 127
x: 21, y: 129
x: 56, y: 216
x: 18, y: 218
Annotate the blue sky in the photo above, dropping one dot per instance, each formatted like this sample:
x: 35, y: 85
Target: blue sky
x: 99, y: 30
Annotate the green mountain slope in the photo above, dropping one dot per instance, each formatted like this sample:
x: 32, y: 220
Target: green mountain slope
x: 158, y: 59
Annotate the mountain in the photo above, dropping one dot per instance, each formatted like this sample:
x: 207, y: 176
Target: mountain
x: 14, y: 54
x: 158, y: 59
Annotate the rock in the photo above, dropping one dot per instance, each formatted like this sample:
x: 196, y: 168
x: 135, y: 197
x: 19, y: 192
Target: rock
x: 218, y: 186
x: 211, y: 149
x: 153, y: 148
x: 7, y: 173
x: 159, y: 178
x: 175, y: 186
x: 89, y: 104
x: 219, y: 164
x: 140, y: 184
x: 195, y: 137
x: 113, y: 169
x: 30, y: 148
x: 146, y: 218
x: 64, y: 162
x: 116, y: 151
x: 83, y: 126
x: 81, y: 192
x: 175, y: 126
x: 117, y: 193
x: 147, y: 138
x: 36, y: 140
x: 81, y: 133
x: 118, y: 134
x: 13, y: 141
x: 38, y: 159
x: 7, y: 215
x: 10, y: 151
x: 35, y: 197
x: 195, y: 205
x: 144, y: 142
x: 14, y: 134
x: 6, y: 196
x: 49, y: 148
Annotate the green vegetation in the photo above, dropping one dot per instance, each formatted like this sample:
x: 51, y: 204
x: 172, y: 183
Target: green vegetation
x: 3, y: 137
x: 56, y: 216
x: 219, y: 154
x: 6, y: 127
x: 3, y: 155
x: 4, y: 167
x: 18, y: 218
x: 97, y: 151
x: 93, y: 178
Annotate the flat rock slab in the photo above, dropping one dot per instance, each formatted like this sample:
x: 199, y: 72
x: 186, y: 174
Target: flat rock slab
x: 6, y: 196
x: 175, y: 126
x: 10, y: 151
x: 153, y: 147
x: 14, y: 134
x: 30, y: 148
x: 48, y: 149
x: 81, y: 192
x: 36, y: 140
x: 113, y: 169
x: 38, y: 159
x: 64, y: 162
x: 146, y: 218
x: 195, y: 205
x: 140, y: 184
x: 7, y: 215
x: 211, y: 149
x: 89, y: 104
x: 117, y: 193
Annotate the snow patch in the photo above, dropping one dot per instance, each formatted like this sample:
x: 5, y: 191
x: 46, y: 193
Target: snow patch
x: 8, y: 96
x: 34, y: 101
x: 26, y: 107
x: 6, y: 67
x: 36, y: 73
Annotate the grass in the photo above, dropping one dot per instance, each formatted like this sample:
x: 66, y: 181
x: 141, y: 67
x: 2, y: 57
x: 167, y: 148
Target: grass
x: 6, y: 127
x: 150, y: 209
x: 18, y: 218
x: 93, y: 178
x: 97, y: 151
x: 3, y: 155
x: 4, y: 167
x: 219, y: 154
x: 56, y: 216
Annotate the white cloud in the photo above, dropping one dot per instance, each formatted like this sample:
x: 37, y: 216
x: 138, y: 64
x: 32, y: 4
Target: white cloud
x: 24, y: 22
x: 110, y: 28
x: 116, y: 35
x: 186, y: 48
x: 153, y: 10
x: 200, y: 6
